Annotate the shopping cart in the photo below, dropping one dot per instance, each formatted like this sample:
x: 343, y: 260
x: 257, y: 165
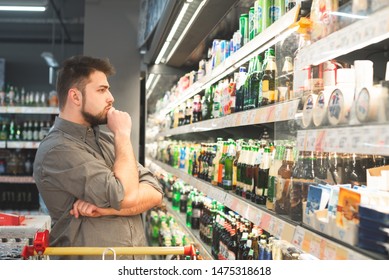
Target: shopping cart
x: 41, y: 247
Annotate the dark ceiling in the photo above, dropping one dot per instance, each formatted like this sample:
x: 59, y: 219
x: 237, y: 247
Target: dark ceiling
x: 62, y: 22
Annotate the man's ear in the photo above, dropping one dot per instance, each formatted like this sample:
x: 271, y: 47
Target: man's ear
x: 75, y: 96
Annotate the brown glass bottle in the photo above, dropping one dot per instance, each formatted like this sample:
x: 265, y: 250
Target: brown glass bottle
x: 282, y: 202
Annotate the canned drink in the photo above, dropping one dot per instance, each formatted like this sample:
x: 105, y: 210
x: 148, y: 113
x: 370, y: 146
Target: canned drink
x: 266, y: 13
x: 244, y: 27
x: 251, y: 24
x: 258, y: 14
x: 277, y: 10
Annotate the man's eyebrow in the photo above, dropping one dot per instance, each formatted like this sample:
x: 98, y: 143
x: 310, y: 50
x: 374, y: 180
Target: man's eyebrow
x: 104, y: 86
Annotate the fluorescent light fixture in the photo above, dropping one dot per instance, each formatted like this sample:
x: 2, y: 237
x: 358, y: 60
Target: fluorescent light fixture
x: 186, y: 29
x: 23, y: 5
x: 172, y: 33
x: 154, y: 83
x: 23, y: 8
x: 150, y: 79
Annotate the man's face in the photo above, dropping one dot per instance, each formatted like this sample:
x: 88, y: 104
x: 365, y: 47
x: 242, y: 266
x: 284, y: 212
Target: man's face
x: 97, y: 99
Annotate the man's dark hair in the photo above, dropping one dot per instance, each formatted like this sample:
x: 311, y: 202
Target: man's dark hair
x: 75, y: 72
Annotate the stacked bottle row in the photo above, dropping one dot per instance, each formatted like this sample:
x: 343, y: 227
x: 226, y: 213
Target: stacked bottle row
x: 267, y: 173
x: 251, y: 23
x: 12, y: 96
x: 13, y: 130
x: 164, y: 231
x: 230, y: 236
x: 251, y: 87
x: 16, y: 162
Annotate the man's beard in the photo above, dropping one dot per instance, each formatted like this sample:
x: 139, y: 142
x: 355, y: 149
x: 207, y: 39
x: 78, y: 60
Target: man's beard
x: 94, y: 120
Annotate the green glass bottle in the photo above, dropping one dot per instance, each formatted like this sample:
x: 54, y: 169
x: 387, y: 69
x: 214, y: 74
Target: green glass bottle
x: 228, y: 166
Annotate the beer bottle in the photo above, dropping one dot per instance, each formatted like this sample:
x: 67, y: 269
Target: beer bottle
x: 335, y: 169
x: 269, y: 94
x: 298, y: 182
x: 212, y: 155
x: 232, y: 91
x: 254, y: 84
x: 240, y: 170
x: 232, y: 244
x: 249, y: 173
x: 195, y: 167
x: 276, y: 162
x: 259, y: 151
x: 215, y: 162
x: 197, y: 206
x: 263, y: 176
x: 176, y: 195
x: 285, y: 88
x: 242, y: 76
x: 283, y: 182
x: 184, y: 199
x: 189, y: 208
x: 228, y: 166
x: 222, y: 160
x: 235, y: 165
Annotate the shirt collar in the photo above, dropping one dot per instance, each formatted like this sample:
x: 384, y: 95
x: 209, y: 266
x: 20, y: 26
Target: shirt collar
x: 78, y: 131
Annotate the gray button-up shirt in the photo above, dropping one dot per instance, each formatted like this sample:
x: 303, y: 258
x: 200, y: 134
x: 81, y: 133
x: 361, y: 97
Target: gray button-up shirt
x: 75, y: 162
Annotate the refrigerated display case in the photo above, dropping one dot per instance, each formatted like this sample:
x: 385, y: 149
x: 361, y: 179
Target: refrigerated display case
x: 356, y: 34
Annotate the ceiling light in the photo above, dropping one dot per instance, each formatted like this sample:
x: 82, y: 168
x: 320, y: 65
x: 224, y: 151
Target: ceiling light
x: 186, y: 29
x: 172, y: 33
x: 23, y: 8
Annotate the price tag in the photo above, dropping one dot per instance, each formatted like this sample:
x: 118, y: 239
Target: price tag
x: 314, y: 248
x: 253, y: 115
x: 263, y: 114
x: 265, y: 221
x: 278, y: 112
x: 301, y: 136
x: 298, y: 237
x: 311, y: 140
x: 278, y: 232
x: 228, y: 200
x: 329, y: 251
x: 271, y: 227
x: 245, y: 118
x: 292, y: 109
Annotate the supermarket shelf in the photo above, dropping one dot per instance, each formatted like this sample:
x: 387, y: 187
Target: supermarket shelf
x: 28, y: 110
x: 272, y: 113
x: 258, y: 215
x: 259, y: 44
x: 371, y: 139
x: 373, y: 29
x: 205, y: 250
x: 308, y: 240
x: 17, y: 179
x: 22, y: 144
x: 327, y: 248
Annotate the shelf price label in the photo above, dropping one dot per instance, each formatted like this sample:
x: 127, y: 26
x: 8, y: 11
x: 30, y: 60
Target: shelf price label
x: 278, y: 110
x: 298, y: 237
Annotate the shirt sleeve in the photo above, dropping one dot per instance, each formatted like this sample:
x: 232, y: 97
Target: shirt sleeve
x: 145, y: 176
x: 82, y: 174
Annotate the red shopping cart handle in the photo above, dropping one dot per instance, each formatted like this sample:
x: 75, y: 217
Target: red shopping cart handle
x: 41, y: 247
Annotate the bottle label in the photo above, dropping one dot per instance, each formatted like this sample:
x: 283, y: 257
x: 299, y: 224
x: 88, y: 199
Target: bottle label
x: 196, y: 213
x: 227, y: 182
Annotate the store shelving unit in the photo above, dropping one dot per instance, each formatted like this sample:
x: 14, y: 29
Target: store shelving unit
x: 371, y: 139
x: 275, y: 33
x: 268, y: 114
x: 307, y: 239
x: 367, y: 138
